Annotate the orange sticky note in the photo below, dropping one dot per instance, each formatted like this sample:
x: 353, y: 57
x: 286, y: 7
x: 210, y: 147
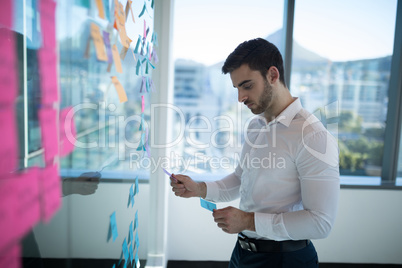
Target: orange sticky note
x: 116, y: 59
x: 129, y: 2
x: 98, y: 41
x: 99, y: 4
x: 123, y: 52
x: 121, y: 25
x: 119, y: 88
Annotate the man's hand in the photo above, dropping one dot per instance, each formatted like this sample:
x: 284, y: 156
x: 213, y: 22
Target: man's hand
x: 85, y: 184
x: 232, y: 220
x: 184, y: 186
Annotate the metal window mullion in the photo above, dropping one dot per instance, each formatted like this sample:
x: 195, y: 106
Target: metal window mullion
x: 25, y: 85
x: 287, y: 38
x: 394, y: 114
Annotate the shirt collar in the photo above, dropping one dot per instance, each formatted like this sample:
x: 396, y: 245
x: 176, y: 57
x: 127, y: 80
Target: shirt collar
x: 287, y: 115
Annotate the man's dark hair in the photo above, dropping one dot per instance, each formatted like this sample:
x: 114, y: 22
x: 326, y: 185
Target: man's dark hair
x: 259, y: 54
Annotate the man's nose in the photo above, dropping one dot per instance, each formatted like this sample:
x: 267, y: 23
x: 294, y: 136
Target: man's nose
x: 242, y: 97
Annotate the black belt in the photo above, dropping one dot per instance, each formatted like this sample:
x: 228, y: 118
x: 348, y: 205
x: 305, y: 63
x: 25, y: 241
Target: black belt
x: 255, y: 245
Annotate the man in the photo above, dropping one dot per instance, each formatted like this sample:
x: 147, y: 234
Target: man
x: 293, y: 199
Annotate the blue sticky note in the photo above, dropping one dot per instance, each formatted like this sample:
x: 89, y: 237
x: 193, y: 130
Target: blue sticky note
x: 113, y: 225
x: 137, y: 45
x: 136, y: 220
x: 142, y: 11
x: 138, y: 67
x: 131, y: 254
x: 131, y: 196
x: 125, y: 250
x: 137, y: 240
x: 130, y: 233
x: 207, y: 205
x: 137, y: 189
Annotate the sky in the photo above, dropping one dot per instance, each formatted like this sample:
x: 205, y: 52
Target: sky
x: 207, y: 31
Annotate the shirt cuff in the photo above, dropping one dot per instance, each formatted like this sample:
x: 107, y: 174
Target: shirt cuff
x: 212, y: 191
x: 270, y: 226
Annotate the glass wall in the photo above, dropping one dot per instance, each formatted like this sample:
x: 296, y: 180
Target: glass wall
x: 100, y: 74
x: 340, y: 70
x: 205, y: 33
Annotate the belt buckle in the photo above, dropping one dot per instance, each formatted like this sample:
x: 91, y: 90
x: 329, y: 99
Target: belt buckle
x: 246, y: 244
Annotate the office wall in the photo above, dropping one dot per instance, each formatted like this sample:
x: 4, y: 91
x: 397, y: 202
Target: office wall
x: 367, y: 230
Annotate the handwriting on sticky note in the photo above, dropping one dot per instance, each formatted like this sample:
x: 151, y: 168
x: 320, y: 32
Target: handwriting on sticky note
x: 207, y: 205
x: 121, y: 25
x: 119, y: 88
x: 98, y: 42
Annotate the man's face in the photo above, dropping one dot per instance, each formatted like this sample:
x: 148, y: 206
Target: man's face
x: 253, y: 89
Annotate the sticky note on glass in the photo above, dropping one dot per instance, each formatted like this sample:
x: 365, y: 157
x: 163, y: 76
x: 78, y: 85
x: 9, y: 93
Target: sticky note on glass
x: 119, y: 88
x: 99, y: 4
x: 207, y: 205
x: 98, y: 41
x: 116, y: 59
x: 113, y: 225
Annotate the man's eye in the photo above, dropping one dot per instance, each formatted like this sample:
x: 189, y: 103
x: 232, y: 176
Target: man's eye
x: 248, y: 86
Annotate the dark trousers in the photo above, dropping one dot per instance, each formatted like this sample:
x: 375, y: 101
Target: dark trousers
x: 304, y: 258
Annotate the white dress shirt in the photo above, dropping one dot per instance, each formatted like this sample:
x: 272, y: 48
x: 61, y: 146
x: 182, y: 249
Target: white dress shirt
x: 288, y: 176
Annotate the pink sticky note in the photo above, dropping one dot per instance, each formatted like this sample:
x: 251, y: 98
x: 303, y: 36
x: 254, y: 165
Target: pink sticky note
x: 48, y: 123
x: 6, y: 12
x: 8, y: 201
x: 48, y: 76
x: 67, y: 131
x: 142, y: 104
x: 11, y: 257
x: 50, y: 191
x: 27, y: 207
x: 145, y: 29
x: 47, y: 16
x: 8, y: 66
x: 8, y: 144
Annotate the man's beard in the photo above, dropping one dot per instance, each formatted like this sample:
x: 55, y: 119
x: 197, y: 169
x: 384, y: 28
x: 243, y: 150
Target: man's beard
x: 265, y: 99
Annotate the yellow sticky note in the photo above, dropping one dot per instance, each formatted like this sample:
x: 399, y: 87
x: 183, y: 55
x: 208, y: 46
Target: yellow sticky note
x: 99, y: 4
x: 119, y: 88
x: 116, y: 59
x: 98, y: 41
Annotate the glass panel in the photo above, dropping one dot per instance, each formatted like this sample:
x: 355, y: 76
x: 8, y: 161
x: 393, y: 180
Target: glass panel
x: 107, y: 131
x: 205, y: 99
x: 97, y: 179
x: 340, y: 71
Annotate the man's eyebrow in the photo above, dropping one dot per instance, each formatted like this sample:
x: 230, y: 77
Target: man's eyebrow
x: 242, y: 83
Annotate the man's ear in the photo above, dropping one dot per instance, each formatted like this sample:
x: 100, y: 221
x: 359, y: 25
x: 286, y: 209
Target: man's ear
x: 272, y: 75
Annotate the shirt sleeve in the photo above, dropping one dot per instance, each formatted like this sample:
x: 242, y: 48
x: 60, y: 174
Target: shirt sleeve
x: 318, y: 168
x: 224, y: 190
